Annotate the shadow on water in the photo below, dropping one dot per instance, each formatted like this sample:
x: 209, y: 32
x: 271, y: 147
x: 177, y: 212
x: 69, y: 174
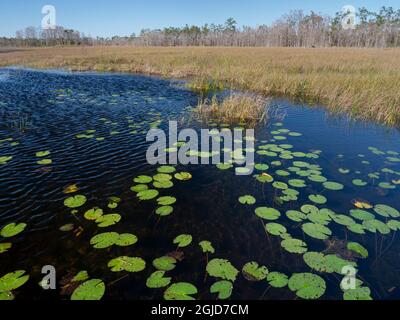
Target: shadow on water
x: 95, y: 127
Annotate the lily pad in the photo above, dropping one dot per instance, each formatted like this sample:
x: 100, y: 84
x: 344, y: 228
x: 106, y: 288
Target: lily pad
x: 223, y: 288
x: 183, y: 176
x: 180, y: 291
x: 362, y: 215
x: 166, y: 201
x: 358, y: 248
x: 267, y: 213
x: 165, y: 263
x: 275, y: 229
x: 334, y: 186
x: 253, y: 272
x: 139, y: 188
x: 296, y: 216
x: 108, y: 220
x: 317, y: 231
x: 158, y: 280
x: 13, y: 280
x: 318, y: 199
x: 143, y: 179
x: 294, y: 246
x: 386, y: 211
x: 104, y: 240
x: 129, y: 264
x: 376, y: 226
x: 183, y: 240
x: 277, y: 280
x: 164, y: 211
x: 362, y: 293
x: 250, y: 200
x: 207, y: 247
x: 91, y: 290
x: 166, y: 169
x: 307, y: 286
x: 93, y: 214
x: 148, y: 194
x: 318, y: 262
x: 4, y: 247
x: 75, y: 201
x: 12, y: 229
x: 223, y: 269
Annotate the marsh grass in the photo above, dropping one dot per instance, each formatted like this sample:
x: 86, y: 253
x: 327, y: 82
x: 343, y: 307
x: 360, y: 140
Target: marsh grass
x: 235, y: 108
x: 363, y: 83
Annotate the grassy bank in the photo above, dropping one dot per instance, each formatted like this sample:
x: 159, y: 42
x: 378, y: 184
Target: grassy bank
x: 362, y: 82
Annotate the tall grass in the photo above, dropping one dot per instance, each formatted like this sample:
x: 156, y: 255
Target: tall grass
x: 361, y: 82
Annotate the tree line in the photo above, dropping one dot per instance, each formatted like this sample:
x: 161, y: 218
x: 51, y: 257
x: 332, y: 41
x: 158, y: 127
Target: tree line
x: 373, y: 29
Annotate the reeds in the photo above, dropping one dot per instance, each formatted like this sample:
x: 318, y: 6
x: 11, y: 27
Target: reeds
x: 363, y: 83
x: 236, y: 108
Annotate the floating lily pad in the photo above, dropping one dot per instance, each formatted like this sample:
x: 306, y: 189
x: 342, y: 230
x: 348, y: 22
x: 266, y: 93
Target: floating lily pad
x: 12, y: 229
x: 129, y: 264
x: 223, y: 288
x: 165, y: 263
x: 6, y: 295
x: 223, y: 269
x: 93, y: 214
x: 359, y: 183
x: 4, y: 247
x: 253, y: 272
x: 5, y: 159
x: 277, y: 280
x: 318, y: 262
x: 376, y: 226
x: 158, y: 280
x: 166, y: 169
x: 80, y: 276
x: 264, y: 178
x: 180, y: 291
x: 362, y: 215
x: 296, y: 216
x: 91, y: 290
x: 358, y: 248
x: 386, y: 211
x: 45, y: 162
x: 247, y: 200
x: 335, y: 186
x: 361, y: 293
x: 104, y: 240
x: 318, y: 199
x: 183, y: 176
x: 307, y: 286
x: 294, y: 246
x: 207, y: 247
x: 267, y: 213
x: 139, y: 188
x: 183, y: 240
x: 143, y: 179
x: 275, y: 229
x: 166, y: 201
x: 75, y: 201
x: 317, y: 231
x: 148, y: 194
x: 164, y: 211
x: 13, y: 280
x: 297, y: 183
x: 108, y: 220
x: 343, y: 219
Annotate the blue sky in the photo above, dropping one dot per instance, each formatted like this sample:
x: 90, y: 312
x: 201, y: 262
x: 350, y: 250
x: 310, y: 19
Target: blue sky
x: 122, y: 17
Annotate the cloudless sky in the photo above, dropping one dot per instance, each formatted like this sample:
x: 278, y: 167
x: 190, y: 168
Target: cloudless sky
x: 123, y: 17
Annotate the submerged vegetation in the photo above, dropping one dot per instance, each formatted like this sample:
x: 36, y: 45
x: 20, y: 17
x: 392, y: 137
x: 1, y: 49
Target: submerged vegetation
x: 360, y: 82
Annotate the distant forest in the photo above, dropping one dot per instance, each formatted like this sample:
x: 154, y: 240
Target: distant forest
x: 296, y: 29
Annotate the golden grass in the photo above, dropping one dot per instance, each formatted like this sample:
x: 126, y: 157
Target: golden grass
x: 236, y: 108
x: 362, y: 82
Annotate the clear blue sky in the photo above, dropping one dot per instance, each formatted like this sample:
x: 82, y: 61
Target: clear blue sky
x: 122, y: 17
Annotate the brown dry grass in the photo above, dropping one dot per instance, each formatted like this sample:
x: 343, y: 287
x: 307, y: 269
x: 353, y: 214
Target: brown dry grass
x: 362, y: 82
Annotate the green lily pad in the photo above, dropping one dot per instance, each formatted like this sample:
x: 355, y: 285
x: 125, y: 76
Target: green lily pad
x: 223, y: 288
x: 362, y: 293
x: 392, y: 224
x: 80, y: 276
x: 12, y: 229
x: 386, y: 211
x: 129, y: 264
x: 294, y: 246
x: 143, y: 179
x: 42, y: 154
x: 5, y: 159
x: 108, y: 220
x: 307, y: 286
x: 297, y: 183
x: 343, y: 220
x: 164, y: 211
x: 362, y: 215
x: 296, y: 216
x: 139, y: 188
x: 161, y: 177
x: 275, y: 229
x: 277, y: 280
x: 180, y: 291
x: 75, y: 201
x: 376, y: 226
x: 334, y: 186
x: 223, y: 269
x: 166, y: 201
x: 13, y: 280
x: 358, y: 248
x: 148, y: 194
x: 318, y: 199
x: 318, y: 262
x: 165, y: 263
x: 163, y: 184
x: 93, y: 214
x: 45, y: 162
x: 91, y: 290
x: 6, y: 295
x: 253, y: 272
x: 183, y: 176
x: 126, y: 240
x: 250, y: 200
x: 261, y: 167
x: 359, y: 183
x: 207, y: 247
x: 166, y: 169
x: 267, y: 213
x: 308, y: 209
x: 335, y: 263
x: 158, y: 280
x: 183, y: 240
x: 104, y: 240
x: 317, y: 231
x: 4, y: 247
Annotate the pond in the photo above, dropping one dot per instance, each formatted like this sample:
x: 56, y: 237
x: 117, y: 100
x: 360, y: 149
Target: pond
x: 324, y: 195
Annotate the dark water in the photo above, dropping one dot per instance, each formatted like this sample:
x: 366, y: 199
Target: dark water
x: 47, y: 110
